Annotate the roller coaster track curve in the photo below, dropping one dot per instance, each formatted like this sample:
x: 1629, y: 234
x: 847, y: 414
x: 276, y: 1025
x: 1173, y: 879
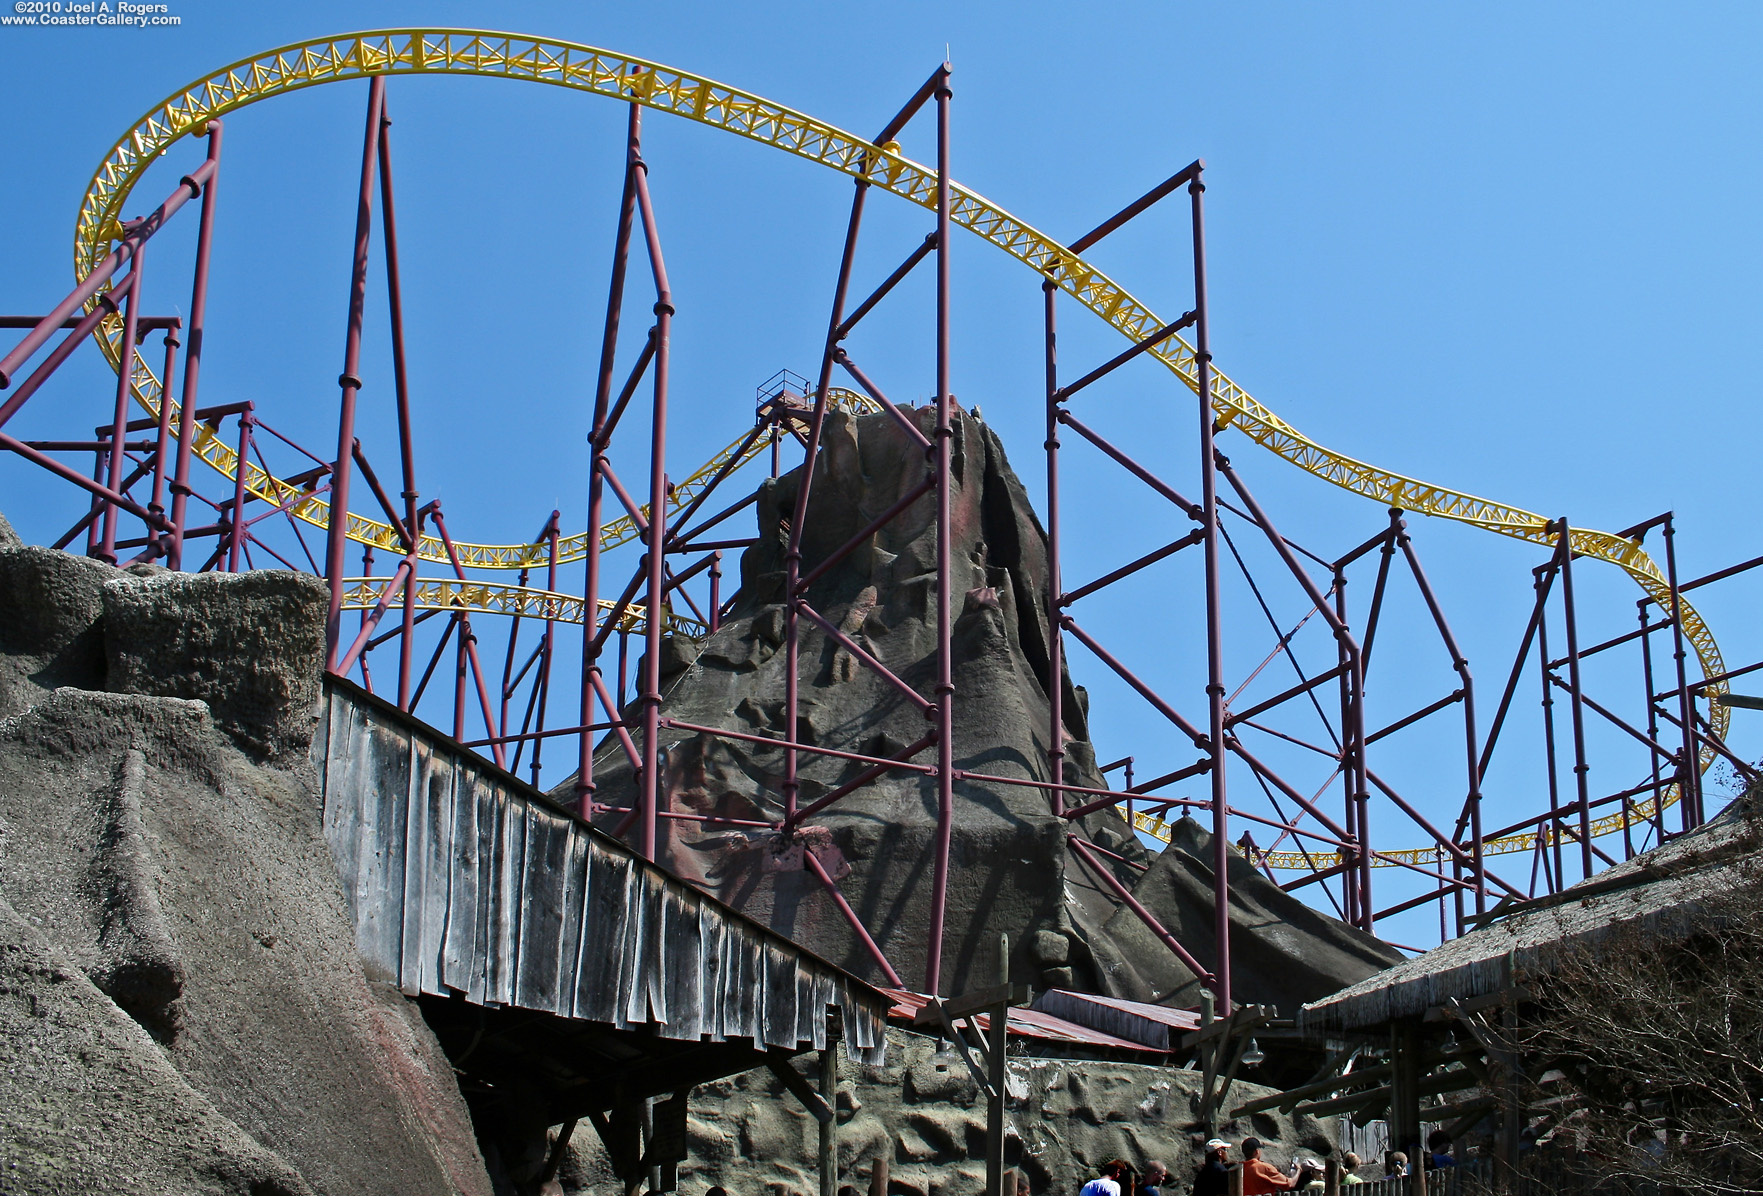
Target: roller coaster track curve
x: 416, y: 51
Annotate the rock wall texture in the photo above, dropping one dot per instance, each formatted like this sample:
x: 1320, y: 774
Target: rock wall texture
x: 182, y: 1008
x: 1010, y: 869
x: 927, y: 1116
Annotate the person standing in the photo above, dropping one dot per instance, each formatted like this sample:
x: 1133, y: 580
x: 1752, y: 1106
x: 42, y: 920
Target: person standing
x: 1350, y: 1164
x: 1155, y: 1175
x: 1213, y: 1177
x: 1108, y: 1182
x: 1261, y: 1178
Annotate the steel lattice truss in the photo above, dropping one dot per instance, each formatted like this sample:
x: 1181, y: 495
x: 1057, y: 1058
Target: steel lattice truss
x: 103, y: 305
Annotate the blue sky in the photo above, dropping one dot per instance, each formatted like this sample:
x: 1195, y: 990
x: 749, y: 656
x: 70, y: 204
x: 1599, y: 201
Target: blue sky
x: 1507, y: 248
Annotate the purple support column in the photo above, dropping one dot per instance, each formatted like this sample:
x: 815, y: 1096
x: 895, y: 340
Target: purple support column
x: 657, y: 546
x: 1576, y: 705
x: 1350, y: 889
x: 550, y: 642
x: 1214, y: 611
x: 584, y: 781
x: 180, y: 486
x: 236, y: 534
x: 933, y: 968
x: 1552, y: 847
x: 1689, y: 783
x: 1459, y: 662
x: 125, y: 378
x: 1652, y: 725
x: 162, y: 446
x: 1055, y: 583
x: 716, y: 591
x: 338, y: 542
x: 804, y: 489
x: 401, y: 388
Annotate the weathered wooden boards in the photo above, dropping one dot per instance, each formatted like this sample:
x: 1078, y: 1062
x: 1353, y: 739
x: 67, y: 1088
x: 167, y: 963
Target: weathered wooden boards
x: 464, y: 880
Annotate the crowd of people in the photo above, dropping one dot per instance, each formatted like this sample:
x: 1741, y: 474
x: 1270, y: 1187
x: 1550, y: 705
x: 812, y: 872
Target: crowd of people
x: 1260, y: 1176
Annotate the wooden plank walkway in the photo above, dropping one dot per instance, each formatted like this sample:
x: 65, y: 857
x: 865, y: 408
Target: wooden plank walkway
x: 464, y: 880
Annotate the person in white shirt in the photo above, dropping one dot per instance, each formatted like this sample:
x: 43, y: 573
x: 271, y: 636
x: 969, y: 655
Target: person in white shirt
x: 1108, y: 1182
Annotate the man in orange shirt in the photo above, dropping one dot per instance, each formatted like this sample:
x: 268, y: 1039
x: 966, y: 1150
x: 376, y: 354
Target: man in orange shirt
x: 1261, y: 1178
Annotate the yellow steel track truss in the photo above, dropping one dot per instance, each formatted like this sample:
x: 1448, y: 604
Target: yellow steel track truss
x: 471, y: 597
x: 694, y: 97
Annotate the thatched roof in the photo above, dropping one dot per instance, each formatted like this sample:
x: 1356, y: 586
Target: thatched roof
x: 1659, y: 892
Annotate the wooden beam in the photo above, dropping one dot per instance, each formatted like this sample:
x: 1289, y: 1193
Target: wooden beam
x: 784, y: 1070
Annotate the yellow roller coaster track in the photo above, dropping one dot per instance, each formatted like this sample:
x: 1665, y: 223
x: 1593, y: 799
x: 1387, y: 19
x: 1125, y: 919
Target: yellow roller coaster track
x: 584, y: 68
x: 451, y: 594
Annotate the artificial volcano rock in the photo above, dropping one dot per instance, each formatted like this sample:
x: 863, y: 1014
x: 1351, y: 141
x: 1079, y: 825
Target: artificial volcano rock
x: 1282, y: 952
x: 182, y: 1007
x: 1009, y: 867
x: 1010, y: 870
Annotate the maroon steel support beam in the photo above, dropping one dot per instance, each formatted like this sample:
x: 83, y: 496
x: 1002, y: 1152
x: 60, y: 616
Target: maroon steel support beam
x: 1145, y: 691
x: 650, y: 696
x: 400, y: 578
x: 1472, y: 756
x: 1055, y: 679
x: 188, y: 188
x: 162, y: 424
x: 945, y: 434
x: 1576, y: 705
x: 1127, y: 570
x: 1186, y: 176
x: 125, y: 381
x: 180, y: 485
x: 728, y: 467
x: 410, y: 524
x: 1690, y: 774
x: 856, y: 923
x: 1180, y: 774
x: 872, y: 773
x: 349, y: 380
x: 874, y: 526
x: 1215, y: 743
x: 1141, y: 346
x: 1549, y: 763
x: 1106, y: 874
x: 240, y: 527
x: 1408, y: 720
x: 1299, y: 690
x: 893, y: 280
x: 1195, y: 511
x: 804, y: 488
x: 628, y: 391
x: 843, y: 359
x: 1353, y: 733
x: 104, y: 306
x: 593, y: 633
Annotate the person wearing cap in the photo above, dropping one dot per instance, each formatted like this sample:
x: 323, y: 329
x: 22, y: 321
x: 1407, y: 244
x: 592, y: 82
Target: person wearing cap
x: 1261, y: 1178
x: 1213, y: 1177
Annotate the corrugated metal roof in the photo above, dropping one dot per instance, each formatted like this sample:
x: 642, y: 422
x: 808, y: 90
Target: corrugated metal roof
x: 1155, y: 1026
x: 1024, y: 1023
x: 1659, y: 890
x: 465, y: 880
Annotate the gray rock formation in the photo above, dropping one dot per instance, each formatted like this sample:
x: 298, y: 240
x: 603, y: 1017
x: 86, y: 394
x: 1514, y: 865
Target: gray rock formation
x: 927, y: 1116
x: 1282, y: 952
x: 181, y: 1004
x: 1010, y: 869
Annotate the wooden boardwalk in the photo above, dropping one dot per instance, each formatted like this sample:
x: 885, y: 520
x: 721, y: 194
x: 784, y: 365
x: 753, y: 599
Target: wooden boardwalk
x: 466, y: 882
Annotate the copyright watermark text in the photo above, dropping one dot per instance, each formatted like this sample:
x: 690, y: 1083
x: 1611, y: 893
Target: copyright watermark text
x: 86, y: 12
